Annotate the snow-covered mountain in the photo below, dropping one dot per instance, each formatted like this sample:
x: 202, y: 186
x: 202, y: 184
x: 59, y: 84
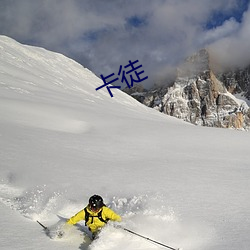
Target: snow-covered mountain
x: 201, y: 96
x: 62, y: 141
x: 237, y: 81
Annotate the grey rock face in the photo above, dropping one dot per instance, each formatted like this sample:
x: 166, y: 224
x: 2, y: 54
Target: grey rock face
x: 201, y: 97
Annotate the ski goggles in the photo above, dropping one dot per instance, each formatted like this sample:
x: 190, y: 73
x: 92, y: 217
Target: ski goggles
x: 94, y: 208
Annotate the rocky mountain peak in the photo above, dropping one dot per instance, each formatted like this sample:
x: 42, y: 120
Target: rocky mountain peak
x: 200, y: 96
x: 196, y: 64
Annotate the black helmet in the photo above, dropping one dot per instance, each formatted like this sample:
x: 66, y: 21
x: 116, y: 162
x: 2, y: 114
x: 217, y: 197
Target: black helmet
x: 96, y: 202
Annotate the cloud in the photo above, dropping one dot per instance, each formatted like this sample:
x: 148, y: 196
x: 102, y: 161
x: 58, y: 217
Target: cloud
x: 228, y: 28
x: 102, y: 35
x: 233, y: 49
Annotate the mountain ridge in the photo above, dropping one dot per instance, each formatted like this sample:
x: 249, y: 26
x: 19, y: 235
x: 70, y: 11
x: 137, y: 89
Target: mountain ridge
x: 201, y: 95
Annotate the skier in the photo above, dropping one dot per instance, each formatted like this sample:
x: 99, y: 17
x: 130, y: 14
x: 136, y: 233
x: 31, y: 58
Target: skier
x: 95, y: 214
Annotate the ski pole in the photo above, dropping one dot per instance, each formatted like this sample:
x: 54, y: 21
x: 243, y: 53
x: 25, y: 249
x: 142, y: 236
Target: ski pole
x: 146, y: 238
x: 45, y: 228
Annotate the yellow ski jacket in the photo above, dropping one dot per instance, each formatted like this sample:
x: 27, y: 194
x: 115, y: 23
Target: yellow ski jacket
x: 94, y: 223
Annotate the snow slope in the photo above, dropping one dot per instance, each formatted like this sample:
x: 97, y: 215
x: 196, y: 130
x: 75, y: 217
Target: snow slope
x: 61, y: 141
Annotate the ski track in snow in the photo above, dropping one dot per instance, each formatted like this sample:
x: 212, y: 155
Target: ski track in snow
x: 42, y: 116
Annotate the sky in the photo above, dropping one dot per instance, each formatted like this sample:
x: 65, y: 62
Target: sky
x: 102, y: 35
